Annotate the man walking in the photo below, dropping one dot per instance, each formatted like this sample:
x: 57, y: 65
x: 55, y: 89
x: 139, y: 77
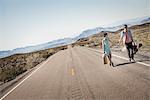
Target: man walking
x: 127, y: 38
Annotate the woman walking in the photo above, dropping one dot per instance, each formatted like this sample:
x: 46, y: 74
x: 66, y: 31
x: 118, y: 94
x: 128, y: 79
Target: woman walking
x: 106, y: 48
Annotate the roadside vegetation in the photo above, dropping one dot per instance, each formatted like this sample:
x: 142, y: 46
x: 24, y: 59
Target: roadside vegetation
x: 12, y: 66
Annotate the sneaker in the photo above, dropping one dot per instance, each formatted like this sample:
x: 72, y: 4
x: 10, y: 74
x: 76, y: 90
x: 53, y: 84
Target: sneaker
x: 130, y: 59
x: 133, y: 60
x: 112, y: 64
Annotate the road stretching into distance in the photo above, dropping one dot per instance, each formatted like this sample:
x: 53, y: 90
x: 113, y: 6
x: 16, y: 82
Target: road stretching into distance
x: 79, y: 74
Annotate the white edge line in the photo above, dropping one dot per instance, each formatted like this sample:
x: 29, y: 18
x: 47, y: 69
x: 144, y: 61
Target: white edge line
x: 22, y: 81
x: 121, y: 57
x: 46, y: 61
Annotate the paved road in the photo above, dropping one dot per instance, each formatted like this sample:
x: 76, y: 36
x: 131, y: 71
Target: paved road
x: 79, y: 74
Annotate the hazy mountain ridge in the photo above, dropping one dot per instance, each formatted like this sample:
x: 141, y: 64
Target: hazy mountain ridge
x: 28, y: 49
x: 116, y: 26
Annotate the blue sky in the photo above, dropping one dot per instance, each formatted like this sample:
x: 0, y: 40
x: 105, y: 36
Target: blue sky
x: 32, y: 22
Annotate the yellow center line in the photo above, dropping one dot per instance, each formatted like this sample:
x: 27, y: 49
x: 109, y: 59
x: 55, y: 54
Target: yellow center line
x: 72, y: 72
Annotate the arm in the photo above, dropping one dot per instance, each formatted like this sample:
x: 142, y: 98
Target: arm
x: 103, y: 46
x: 110, y: 40
x: 121, y: 37
x: 131, y: 35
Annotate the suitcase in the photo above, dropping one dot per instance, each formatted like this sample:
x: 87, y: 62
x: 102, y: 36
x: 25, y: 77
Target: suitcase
x: 104, y: 57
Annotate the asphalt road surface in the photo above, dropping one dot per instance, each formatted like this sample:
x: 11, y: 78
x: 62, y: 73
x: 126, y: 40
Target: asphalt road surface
x: 79, y: 74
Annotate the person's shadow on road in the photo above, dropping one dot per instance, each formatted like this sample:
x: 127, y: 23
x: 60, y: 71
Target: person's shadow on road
x: 126, y: 63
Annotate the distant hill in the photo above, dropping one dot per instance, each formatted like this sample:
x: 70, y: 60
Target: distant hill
x: 60, y: 42
x: 28, y: 49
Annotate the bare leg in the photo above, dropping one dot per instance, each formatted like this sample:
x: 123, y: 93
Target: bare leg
x: 109, y: 57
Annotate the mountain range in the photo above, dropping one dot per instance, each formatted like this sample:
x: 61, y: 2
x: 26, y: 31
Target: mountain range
x: 112, y: 27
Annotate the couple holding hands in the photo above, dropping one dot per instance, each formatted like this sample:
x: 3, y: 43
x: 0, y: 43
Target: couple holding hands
x: 127, y: 38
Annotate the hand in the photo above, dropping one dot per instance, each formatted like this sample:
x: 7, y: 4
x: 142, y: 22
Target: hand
x: 104, y: 52
x: 119, y: 43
